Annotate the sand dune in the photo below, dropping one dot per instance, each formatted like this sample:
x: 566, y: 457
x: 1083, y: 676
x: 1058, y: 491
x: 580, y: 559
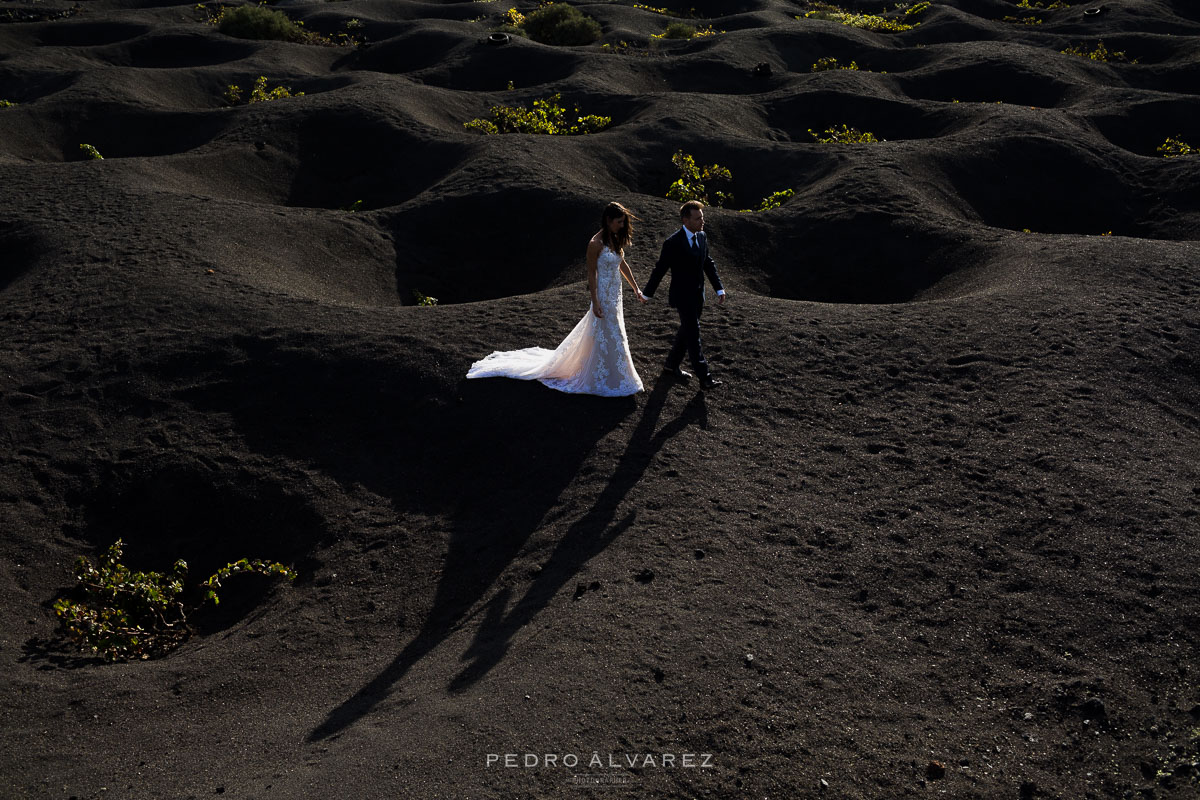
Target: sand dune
x: 935, y: 533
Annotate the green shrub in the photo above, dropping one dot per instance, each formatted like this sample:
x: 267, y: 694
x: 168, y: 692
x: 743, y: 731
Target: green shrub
x: 693, y: 181
x: 1101, y: 53
x: 126, y: 614
x: 91, y: 152
x: 844, y: 135
x: 1176, y: 147
x: 561, y: 24
x: 546, y: 117
x: 424, y: 299
x: 7, y: 104
x: 677, y: 30
x: 870, y: 22
x: 259, y: 22
x: 682, y: 30
x: 259, y: 94
x: 829, y: 63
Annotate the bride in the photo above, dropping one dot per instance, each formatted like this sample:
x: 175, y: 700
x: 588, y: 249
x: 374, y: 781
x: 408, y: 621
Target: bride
x: 594, y: 358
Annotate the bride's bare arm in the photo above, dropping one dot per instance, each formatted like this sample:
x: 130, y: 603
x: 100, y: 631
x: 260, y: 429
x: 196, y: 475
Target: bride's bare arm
x: 627, y: 272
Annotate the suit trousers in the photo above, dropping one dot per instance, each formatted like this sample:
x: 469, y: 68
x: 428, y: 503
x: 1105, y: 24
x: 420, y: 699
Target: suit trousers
x: 688, y: 340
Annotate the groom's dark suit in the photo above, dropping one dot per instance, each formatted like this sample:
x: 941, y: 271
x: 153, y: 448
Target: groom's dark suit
x: 688, y: 266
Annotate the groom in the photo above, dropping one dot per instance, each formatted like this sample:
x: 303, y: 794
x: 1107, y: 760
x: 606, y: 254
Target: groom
x: 685, y: 254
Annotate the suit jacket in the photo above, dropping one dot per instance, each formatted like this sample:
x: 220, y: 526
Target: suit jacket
x: 687, y: 271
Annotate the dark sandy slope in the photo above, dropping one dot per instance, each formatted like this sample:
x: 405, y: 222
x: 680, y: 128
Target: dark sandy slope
x: 944, y: 508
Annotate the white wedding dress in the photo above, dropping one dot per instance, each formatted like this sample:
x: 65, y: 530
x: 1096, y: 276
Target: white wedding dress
x: 593, y: 359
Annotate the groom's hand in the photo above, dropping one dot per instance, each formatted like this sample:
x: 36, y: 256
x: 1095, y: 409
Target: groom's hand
x: 720, y: 298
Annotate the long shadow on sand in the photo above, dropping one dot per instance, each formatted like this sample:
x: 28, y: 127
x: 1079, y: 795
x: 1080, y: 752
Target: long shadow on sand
x: 586, y: 537
x: 492, y: 458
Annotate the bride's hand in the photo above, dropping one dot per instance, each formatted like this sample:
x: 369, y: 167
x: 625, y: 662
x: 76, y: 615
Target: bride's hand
x: 596, y: 310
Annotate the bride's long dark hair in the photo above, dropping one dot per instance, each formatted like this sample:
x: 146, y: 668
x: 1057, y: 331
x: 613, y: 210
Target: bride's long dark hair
x: 616, y: 242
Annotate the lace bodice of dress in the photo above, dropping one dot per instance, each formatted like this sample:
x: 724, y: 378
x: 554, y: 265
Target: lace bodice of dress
x: 608, y: 279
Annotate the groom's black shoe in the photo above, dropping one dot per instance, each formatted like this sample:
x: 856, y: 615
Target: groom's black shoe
x: 709, y: 382
x: 678, y: 373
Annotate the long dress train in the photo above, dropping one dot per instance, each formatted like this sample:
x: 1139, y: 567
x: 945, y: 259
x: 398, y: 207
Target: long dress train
x: 593, y: 359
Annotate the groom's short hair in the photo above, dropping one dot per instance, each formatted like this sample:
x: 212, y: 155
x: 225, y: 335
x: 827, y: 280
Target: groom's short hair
x: 689, y: 208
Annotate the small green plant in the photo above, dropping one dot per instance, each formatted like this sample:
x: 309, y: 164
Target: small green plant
x: 561, y: 24
x: 1022, y: 20
x: 693, y: 181
x: 511, y: 22
x: 259, y: 94
x: 349, y: 37
x: 844, y: 135
x: 7, y: 104
x: 1174, y: 147
x: 354, y: 207
x: 623, y: 48
x: 1037, y: 4
x: 424, y: 299
x: 1100, y: 53
x: 775, y: 200
x: 830, y: 63
x: 213, y: 14
x: 546, y: 117
x: 126, y: 614
x: 484, y: 126
x: 693, y: 184
x: 870, y: 22
x: 91, y: 152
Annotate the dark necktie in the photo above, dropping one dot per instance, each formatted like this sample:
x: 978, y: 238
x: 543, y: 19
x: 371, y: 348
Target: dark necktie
x: 696, y: 245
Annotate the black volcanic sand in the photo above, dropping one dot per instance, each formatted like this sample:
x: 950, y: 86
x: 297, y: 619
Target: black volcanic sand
x: 936, y: 534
